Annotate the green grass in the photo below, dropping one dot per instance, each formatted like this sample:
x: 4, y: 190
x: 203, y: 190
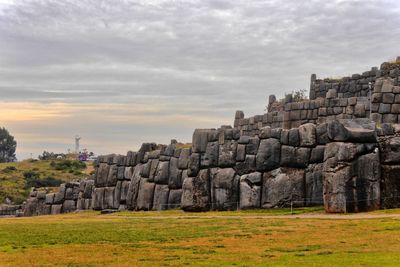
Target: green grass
x: 91, y: 239
x: 14, y: 185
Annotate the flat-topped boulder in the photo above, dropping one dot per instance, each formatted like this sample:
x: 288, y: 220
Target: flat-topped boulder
x: 357, y: 130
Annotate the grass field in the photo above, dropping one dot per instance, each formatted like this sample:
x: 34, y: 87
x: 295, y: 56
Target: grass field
x: 169, y: 239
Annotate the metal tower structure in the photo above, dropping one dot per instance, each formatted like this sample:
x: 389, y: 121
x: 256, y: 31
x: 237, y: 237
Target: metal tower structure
x: 77, y: 138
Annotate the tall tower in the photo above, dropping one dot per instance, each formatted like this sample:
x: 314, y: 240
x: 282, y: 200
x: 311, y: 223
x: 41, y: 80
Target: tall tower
x: 77, y: 138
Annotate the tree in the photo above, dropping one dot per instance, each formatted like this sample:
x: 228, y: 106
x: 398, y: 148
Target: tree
x: 7, y: 146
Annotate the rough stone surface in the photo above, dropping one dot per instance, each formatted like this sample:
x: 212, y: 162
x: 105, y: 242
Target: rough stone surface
x: 225, y: 189
x: 283, y: 187
x: 250, y: 190
x: 268, y: 155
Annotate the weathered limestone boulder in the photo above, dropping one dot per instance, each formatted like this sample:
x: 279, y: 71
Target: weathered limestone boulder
x: 88, y: 189
x: 390, y: 149
x: 102, y: 174
x: 68, y: 206
x: 357, y: 130
x: 317, y: 154
x: 175, y: 174
x: 196, y: 195
x: 390, y: 186
x: 145, y: 171
x: 98, y: 198
x: 250, y: 190
x: 145, y: 195
x: 110, y: 201
x: 200, y: 140
x: 283, y: 187
x: 49, y: 198
x: 153, y: 169
x: 131, y: 198
x: 128, y: 173
x: 194, y: 165
x: 368, y: 182
x: 224, y: 189
x: 124, y: 189
x: 246, y: 166
x: 307, y: 134
x: 161, y: 194
x: 112, y: 176
x: 351, y: 180
x: 162, y: 173
x: 59, y: 197
x: 322, y: 134
x: 121, y: 173
x: 210, y: 158
x: 174, y: 199
x: 295, y: 157
x: 227, y: 154
x: 268, y: 155
x: 184, y: 158
x: 56, y: 209
x: 314, y: 185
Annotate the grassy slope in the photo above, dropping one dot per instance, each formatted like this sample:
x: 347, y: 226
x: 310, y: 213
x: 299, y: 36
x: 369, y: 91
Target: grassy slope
x: 90, y: 239
x: 12, y: 184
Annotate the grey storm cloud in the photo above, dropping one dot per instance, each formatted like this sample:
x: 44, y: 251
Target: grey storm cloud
x: 202, y: 59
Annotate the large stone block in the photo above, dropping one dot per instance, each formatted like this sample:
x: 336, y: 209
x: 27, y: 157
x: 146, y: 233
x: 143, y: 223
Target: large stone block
x: 356, y: 130
x: 162, y: 176
x: 69, y: 206
x: 174, y: 199
x: 56, y: 209
x: 196, y: 194
x: 283, y: 187
x: 250, y: 190
x: 246, y: 166
x: 194, y: 164
x: 295, y: 157
x: 352, y: 186
x: 124, y: 191
x: 268, y: 156
x: 102, y: 174
x: 210, y: 158
x: 160, y: 201
x: 112, y: 175
x: 49, y: 198
x: 88, y: 190
x: 314, y: 185
x: 391, y: 150
x: 145, y: 195
x: 307, y: 134
x: 227, y: 154
x: 131, y: 198
x: 200, y: 140
x: 225, y: 189
x: 390, y: 190
x: 184, y: 158
x: 175, y: 175
x: 98, y: 198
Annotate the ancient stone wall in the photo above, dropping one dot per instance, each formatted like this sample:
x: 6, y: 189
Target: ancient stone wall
x: 373, y: 94
x: 43, y: 203
x: 340, y: 149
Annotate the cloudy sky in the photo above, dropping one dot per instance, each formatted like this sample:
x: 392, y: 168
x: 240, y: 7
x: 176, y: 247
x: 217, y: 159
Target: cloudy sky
x: 123, y: 72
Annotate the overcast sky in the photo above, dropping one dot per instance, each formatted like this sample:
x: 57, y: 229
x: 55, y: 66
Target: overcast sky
x: 120, y: 73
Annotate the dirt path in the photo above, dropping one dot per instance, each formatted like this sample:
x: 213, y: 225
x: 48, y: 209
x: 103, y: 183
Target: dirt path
x: 356, y: 216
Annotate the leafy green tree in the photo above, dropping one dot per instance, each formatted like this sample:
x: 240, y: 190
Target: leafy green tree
x: 7, y: 146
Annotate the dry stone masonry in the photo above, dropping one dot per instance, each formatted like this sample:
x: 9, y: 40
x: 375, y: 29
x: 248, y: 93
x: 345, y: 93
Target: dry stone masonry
x: 340, y: 148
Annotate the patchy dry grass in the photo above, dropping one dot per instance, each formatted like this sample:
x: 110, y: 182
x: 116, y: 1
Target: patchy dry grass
x: 13, y: 184
x: 90, y: 239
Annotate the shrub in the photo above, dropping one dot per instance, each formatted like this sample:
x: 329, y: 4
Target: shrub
x: 9, y: 169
